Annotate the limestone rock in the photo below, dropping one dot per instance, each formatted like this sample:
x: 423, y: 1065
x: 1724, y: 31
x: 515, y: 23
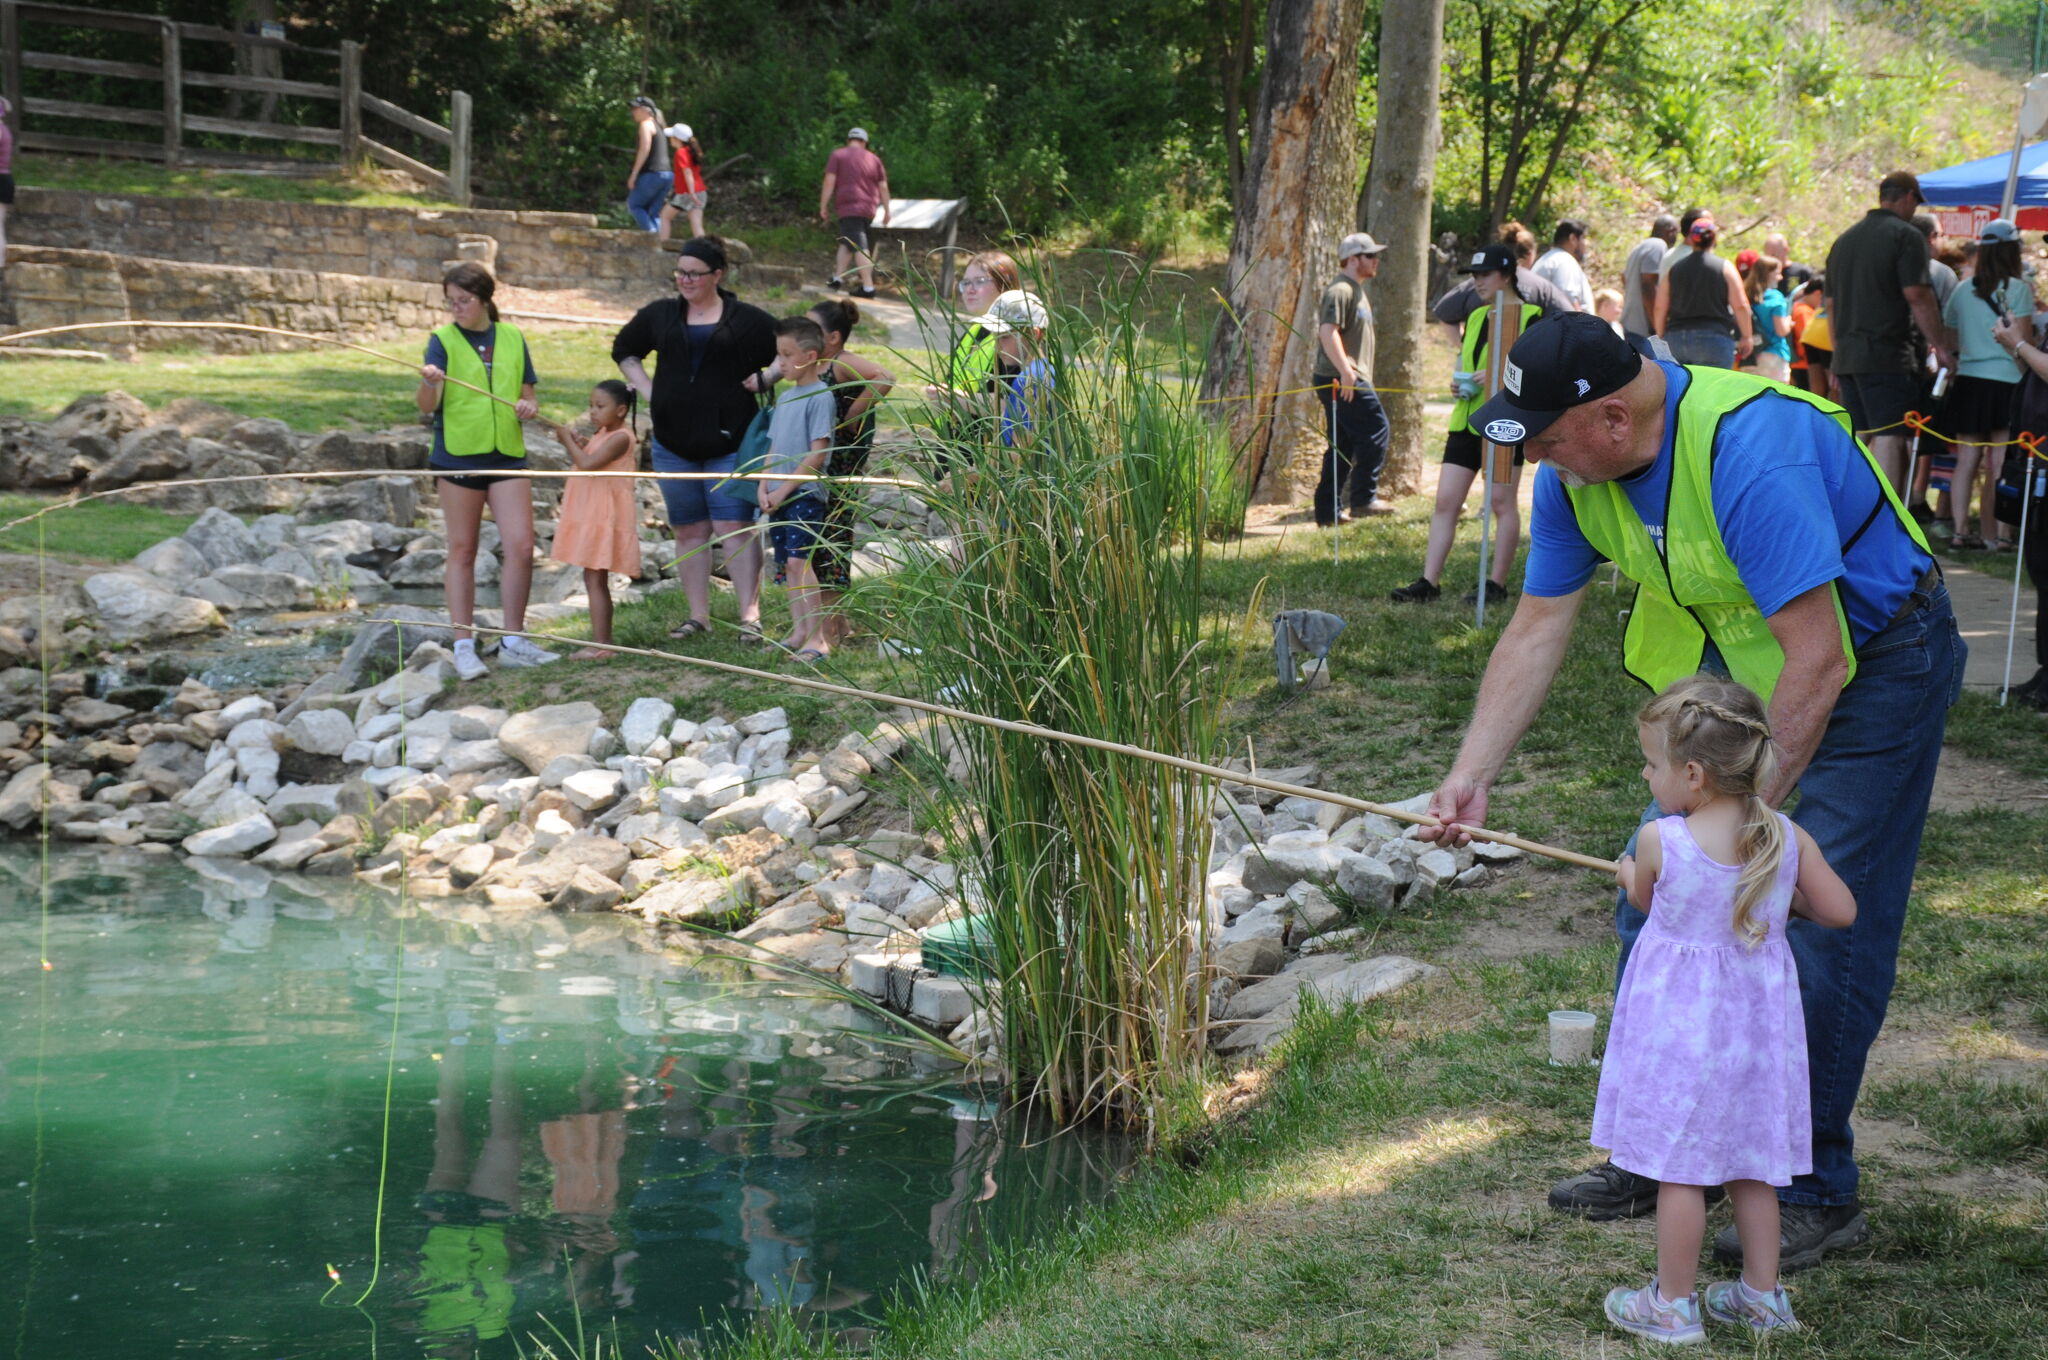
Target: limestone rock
x: 236, y: 838
x: 695, y: 898
x: 135, y: 610
x: 1368, y: 882
x: 593, y: 790
x: 223, y: 540
x: 1347, y: 982
x: 32, y: 789
x: 600, y: 854
x: 174, y: 563
x: 390, y: 500
x: 90, y: 715
x: 646, y: 721
x: 320, y: 732
x: 587, y: 890
x: 1276, y: 868
x: 539, y: 735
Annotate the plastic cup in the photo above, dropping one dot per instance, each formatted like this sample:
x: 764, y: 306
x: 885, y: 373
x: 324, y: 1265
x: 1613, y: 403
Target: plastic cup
x: 1571, y: 1038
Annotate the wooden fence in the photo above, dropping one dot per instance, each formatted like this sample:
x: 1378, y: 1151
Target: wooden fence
x: 31, y: 113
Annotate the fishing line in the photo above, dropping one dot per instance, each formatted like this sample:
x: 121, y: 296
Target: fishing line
x: 35, y: 1179
x: 390, y: 1060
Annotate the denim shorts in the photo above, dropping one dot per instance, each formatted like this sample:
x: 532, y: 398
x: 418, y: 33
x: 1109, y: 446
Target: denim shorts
x: 694, y: 502
x: 796, y: 529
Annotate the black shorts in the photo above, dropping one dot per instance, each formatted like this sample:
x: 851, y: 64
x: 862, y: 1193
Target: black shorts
x: 6, y: 191
x: 446, y: 472
x: 854, y: 231
x: 1462, y: 448
x: 1878, y: 402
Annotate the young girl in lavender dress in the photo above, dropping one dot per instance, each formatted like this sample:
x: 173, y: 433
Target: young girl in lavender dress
x: 599, y: 529
x: 1705, y: 1080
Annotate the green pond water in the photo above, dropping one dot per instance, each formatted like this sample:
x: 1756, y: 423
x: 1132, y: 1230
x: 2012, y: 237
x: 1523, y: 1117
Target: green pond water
x: 193, y: 1112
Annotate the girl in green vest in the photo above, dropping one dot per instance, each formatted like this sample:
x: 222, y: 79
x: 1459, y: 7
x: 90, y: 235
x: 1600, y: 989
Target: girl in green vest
x: 1493, y: 273
x: 960, y: 403
x: 473, y: 436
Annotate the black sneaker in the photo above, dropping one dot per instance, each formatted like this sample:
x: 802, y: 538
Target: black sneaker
x: 1607, y: 1192
x: 1806, y: 1232
x: 1496, y: 593
x: 835, y: 283
x: 1421, y: 590
x: 863, y: 292
x: 2033, y: 693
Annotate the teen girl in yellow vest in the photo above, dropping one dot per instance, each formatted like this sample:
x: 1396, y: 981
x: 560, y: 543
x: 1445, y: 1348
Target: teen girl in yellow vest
x: 1493, y: 273
x: 474, y: 436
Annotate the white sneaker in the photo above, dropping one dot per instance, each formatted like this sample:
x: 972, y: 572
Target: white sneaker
x: 517, y: 651
x: 468, y: 664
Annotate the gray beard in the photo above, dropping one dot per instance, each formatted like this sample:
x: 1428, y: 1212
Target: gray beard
x: 1571, y: 479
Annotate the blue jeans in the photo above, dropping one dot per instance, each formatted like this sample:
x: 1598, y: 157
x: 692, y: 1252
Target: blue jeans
x: 1863, y: 799
x: 650, y: 191
x: 1708, y: 348
x: 696, y: 502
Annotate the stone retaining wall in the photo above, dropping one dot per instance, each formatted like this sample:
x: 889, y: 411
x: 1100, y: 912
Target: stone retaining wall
x: 532, y: 250
x: 47, y: 286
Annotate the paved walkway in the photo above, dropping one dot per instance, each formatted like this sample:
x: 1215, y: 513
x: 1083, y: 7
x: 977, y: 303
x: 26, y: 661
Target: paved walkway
x: 1982, y: 590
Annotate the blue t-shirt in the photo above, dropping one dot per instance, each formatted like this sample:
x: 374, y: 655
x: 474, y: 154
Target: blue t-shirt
x: 484, y: 342
x: 1024, y: 393
x: 1763, y: 313
x: 1797, y: 502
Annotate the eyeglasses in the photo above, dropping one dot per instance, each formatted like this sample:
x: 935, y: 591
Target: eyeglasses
x: 695, y: 273
x: 966, y: 284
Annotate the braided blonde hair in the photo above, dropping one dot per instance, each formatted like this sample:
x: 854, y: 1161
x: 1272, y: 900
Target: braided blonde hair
x: 1722, y: 725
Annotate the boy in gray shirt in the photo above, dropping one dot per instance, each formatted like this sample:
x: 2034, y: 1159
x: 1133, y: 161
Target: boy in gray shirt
x: 799, y: 440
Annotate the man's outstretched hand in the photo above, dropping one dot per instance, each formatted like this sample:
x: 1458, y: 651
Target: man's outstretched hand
x: 1459, y: 802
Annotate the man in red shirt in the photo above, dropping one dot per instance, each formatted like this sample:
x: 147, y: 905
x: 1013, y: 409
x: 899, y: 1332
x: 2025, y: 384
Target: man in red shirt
x: 856, y: 190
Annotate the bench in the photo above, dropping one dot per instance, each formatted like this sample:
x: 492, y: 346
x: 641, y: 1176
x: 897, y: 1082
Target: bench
x: 909, y: 215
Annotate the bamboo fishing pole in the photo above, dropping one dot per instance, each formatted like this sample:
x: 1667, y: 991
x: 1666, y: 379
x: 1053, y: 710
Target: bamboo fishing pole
x: 1093, y: 743
x: 537, y: 474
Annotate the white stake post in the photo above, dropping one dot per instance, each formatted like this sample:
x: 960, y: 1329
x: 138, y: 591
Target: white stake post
x: 2031, y: 476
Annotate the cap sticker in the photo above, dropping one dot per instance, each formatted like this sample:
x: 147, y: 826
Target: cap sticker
x: 1511, y: 376
x: 1506, y: 431
x: 1479, y: 257
x: 1584, y: 386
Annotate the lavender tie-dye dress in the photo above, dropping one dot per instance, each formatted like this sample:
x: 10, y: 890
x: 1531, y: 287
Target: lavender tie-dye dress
x: 1704, y: 1080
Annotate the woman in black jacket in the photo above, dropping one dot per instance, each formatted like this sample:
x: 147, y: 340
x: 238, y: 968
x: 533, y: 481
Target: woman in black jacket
x: 707, y: 344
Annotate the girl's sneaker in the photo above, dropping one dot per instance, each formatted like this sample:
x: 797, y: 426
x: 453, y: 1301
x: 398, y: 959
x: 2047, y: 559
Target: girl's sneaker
x: 468, y: 664
x: 1734, y: 1301
x: 1642, y: 1312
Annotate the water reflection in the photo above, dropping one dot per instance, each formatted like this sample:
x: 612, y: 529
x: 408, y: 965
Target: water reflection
x: 573, y: 1116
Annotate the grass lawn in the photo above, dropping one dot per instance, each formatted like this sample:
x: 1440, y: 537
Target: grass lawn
x: 98, y: 531
x: 114, y: 176
x: 1379, y: 1189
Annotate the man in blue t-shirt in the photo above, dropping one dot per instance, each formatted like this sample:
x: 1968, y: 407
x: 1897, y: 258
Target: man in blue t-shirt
x: 1800, y: 512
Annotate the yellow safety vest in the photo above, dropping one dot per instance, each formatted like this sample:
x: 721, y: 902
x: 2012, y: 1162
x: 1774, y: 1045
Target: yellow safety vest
x: 470, y: 423
x: 1472, y: 357
x: 1690, y: 591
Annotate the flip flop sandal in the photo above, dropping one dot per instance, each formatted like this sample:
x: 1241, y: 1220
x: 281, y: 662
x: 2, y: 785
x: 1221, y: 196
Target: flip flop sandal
x: 809, y: 656
x: 689, y: 628
x: 751, y: 635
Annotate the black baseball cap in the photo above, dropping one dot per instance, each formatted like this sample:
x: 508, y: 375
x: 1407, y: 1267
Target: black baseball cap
x: 1490, y: 260
x: 1560, y: 362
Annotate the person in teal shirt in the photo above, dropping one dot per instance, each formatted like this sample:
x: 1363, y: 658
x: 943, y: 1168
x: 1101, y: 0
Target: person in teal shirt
x: 1771, y: 320
x: 1977, y: 408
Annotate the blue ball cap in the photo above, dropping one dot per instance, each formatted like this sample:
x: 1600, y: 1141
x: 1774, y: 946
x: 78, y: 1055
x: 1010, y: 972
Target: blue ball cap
x: 1560, y: 362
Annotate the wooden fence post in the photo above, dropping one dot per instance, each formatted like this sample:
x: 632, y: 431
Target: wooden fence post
x: 10, y: 61
x: 174, y: 96
x: 351, y: 105
x: 458, y: 148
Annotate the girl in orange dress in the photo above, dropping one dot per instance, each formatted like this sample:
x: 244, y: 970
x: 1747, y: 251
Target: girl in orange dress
x: 599, y: 531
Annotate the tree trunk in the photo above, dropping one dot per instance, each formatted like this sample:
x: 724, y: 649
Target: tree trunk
x: 1297, y: 203
x: 1402, y: 189
x: 1234, y: 68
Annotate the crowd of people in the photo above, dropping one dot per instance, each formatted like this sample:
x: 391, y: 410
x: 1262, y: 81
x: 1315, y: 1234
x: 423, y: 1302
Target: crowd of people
x: 1899, y: 320
x: 759, y: 421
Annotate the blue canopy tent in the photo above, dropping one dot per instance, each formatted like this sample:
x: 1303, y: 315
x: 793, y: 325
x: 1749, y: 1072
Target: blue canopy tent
x: 1977, y: 188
